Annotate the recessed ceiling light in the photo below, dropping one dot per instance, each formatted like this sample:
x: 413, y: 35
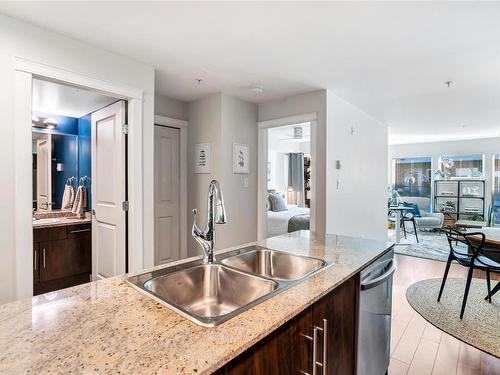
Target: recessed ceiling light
x: 257, y: 89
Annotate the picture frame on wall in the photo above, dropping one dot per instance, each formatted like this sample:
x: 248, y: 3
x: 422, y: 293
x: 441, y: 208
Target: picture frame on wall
x: 241, y: 158
x: 202, y: 158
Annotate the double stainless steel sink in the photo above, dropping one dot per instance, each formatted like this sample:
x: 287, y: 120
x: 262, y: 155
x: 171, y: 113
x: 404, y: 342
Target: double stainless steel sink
x: 209, y: 294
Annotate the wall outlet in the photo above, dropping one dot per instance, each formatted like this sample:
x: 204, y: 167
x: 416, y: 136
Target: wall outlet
x: 245, y: 182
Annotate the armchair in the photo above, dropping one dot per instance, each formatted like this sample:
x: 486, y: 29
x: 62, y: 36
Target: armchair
x: 429, y: 220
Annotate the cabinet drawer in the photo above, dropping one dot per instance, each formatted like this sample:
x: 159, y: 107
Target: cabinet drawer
x: 79, y: 229
x: 50, y: 234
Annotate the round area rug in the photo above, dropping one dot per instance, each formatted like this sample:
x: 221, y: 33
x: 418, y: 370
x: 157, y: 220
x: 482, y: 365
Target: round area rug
x: 480, y: 326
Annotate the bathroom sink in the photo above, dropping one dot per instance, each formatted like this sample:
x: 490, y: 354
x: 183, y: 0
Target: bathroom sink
x: 209, y: 293
x: 46, y: 221
x: 275, y: 264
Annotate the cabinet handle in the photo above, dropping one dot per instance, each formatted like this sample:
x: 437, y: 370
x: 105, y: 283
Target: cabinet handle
x: 79, y: 230
x: 315, y: 351
x: 43, y: 255
x: 325, y: 344
x: 316, y: 363
x: 35, y: 260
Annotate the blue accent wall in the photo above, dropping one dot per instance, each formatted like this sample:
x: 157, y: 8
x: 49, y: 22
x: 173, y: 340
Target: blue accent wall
x: 84, y: 153
x: 71, y: 147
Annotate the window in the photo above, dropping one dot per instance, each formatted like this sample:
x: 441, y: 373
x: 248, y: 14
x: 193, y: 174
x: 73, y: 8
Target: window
x: 412, y: 176
x: 465, y: 166
x: 496, y: 188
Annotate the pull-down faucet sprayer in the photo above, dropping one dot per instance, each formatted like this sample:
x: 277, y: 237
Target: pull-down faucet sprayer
x: 216, y: 214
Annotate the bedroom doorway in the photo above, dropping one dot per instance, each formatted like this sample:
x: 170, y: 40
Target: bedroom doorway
x: 288, y: 183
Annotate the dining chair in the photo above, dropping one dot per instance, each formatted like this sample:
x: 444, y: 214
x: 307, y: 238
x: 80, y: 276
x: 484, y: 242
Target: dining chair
x: 407, y: 217
x: 468, y: 250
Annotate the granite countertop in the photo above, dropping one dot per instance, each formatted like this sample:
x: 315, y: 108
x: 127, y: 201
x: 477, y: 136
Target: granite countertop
x: 109, y: 327
x: 61, y: 221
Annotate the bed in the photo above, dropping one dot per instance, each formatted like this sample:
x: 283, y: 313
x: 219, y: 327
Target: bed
x: 292, y: 219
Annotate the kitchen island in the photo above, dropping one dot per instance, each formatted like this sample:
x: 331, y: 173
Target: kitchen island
x: 109, y: 327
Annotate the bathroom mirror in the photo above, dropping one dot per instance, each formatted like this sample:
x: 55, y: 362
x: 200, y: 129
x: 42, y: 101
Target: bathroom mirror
x: 55, y: 164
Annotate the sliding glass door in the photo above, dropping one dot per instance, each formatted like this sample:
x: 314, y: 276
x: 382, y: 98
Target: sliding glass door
x: 466, y: 166
x: 412, y: 176
x: 496, y: 188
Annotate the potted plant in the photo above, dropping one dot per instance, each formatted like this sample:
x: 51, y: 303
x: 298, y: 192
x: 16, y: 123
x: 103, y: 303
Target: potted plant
x: 445, y: 171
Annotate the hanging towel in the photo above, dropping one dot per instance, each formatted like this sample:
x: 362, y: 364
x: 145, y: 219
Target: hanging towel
x: 80, y: 201
x: 67, y: 198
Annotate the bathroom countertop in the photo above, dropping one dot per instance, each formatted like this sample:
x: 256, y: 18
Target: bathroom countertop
x: 109, y: 327
x: 62, y: 221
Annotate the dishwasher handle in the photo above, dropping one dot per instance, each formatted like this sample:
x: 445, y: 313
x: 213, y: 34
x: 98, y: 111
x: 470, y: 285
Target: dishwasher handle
x: 381, y: 279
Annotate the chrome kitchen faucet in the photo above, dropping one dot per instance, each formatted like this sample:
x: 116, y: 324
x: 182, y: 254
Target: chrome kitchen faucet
x: 216, y: 214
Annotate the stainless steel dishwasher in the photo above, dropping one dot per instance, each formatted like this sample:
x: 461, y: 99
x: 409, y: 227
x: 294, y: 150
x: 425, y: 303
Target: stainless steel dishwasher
x: 375, y: 302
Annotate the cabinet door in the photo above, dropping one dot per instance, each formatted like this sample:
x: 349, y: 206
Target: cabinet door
x: 288, y: 350
x: 336, y: 345
x: 68, y: 257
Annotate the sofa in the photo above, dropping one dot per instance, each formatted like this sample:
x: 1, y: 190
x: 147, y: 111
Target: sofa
x: 429, y: 220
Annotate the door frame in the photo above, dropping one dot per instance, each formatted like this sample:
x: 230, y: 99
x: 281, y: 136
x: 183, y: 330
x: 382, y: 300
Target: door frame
x: 183, y: 127
x: 25, y: 72
x: 263, y: 127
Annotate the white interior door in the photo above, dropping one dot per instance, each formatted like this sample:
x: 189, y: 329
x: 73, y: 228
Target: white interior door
x: 108, y: 191
x: 44, y: 174
x: 167, y: 194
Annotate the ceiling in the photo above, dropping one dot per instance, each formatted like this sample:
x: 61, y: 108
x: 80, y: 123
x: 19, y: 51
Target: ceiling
x: 390, y: 59
x: 57, y: 99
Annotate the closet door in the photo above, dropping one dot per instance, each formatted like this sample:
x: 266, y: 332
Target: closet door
x: 108, y: 191
x: 167, y: 194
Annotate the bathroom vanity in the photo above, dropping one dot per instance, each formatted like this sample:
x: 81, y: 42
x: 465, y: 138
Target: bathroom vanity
x: 62, y: 253
x: 110, y: 326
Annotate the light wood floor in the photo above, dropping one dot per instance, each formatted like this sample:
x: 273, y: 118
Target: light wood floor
x: 419, y: 348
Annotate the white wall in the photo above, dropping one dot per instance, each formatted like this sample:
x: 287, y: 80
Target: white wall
x: 300, y: 104
x: 19, y: 39
x: 220, y: 119
x: 239, y: 125
x: 169, y: 107
x: 277, y: 154
x: 488, y: 147
x: 358, y: 207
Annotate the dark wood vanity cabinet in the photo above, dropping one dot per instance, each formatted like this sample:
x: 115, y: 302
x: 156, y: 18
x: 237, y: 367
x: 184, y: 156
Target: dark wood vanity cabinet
x: 327, y: 330
x: 61, y: 257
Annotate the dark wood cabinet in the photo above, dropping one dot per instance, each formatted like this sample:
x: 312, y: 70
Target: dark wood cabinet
x: 323, y: 335
x: 61, y: 257
x: 337, y: 312
x: 288, y: 350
